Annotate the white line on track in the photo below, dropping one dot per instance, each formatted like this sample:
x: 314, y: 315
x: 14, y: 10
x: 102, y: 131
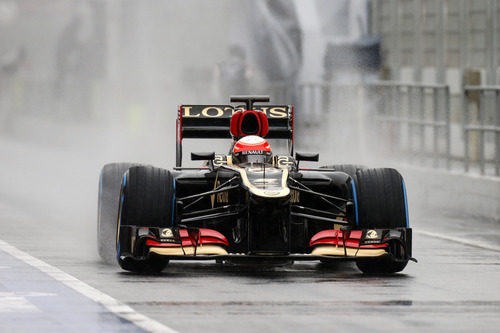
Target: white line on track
x: 118, y: 308
x: 474, y: 243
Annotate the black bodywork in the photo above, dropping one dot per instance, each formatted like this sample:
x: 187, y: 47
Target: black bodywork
x: 317, y: 200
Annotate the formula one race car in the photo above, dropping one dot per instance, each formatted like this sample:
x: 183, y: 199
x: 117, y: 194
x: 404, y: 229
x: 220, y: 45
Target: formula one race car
x: 250, y: 206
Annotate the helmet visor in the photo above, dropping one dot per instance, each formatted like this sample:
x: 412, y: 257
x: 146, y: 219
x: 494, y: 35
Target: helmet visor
x: 254, y: 158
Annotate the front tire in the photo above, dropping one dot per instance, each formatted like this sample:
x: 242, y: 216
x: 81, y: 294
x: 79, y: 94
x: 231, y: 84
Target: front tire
x: 110, y: 180
x: 147, y: 201
x: 381, y: 203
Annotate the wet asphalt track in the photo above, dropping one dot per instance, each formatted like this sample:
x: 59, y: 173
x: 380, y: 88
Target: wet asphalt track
x: 50, y: 214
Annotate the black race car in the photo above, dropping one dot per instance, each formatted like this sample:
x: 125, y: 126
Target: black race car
x: 249, y: 206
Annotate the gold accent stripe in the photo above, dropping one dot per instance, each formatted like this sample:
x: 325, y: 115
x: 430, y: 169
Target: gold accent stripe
x: 329, y: 250
x: 212, y: 197
x: 188, y: 250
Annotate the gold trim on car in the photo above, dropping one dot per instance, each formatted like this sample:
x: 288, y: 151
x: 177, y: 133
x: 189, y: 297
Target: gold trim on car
x: 329, y: 250
x: 189, y: 250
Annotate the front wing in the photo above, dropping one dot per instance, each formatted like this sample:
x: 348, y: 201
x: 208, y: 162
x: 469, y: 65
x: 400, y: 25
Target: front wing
x: 206, y: 244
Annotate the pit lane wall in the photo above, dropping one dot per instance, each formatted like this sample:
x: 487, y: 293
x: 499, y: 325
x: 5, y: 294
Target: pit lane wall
x: 453, y: 193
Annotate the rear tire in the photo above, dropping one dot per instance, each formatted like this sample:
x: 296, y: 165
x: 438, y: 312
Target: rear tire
x: 381, y: 204
x: 147, y: 198
x: 110, y: 180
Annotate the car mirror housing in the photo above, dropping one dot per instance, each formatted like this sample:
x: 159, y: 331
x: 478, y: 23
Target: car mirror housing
x: 313, y: 157
x: 206, y: 156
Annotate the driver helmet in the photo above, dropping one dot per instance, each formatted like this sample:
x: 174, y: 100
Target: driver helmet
x: 252, y: 149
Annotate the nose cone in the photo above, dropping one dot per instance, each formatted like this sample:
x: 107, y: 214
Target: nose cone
x: 270, y: 193
x: 266, y: 182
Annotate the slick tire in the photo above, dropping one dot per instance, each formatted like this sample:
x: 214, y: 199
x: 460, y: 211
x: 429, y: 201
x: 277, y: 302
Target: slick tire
x: 110, y: 180
x: 381, y: 204
x: 350, y: 169
x: 147, y: 196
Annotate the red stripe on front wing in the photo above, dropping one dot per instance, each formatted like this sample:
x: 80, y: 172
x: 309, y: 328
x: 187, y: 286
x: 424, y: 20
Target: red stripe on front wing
x: 207, y: 236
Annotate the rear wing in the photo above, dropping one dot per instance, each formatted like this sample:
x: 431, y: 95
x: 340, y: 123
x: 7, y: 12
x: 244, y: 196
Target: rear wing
x: 213, y: 122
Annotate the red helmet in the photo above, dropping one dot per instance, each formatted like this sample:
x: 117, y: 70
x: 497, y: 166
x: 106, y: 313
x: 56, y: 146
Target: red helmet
x: 252, y: 149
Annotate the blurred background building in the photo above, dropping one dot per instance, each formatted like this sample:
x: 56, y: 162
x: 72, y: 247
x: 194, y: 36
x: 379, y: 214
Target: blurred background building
x: 411, y: 79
